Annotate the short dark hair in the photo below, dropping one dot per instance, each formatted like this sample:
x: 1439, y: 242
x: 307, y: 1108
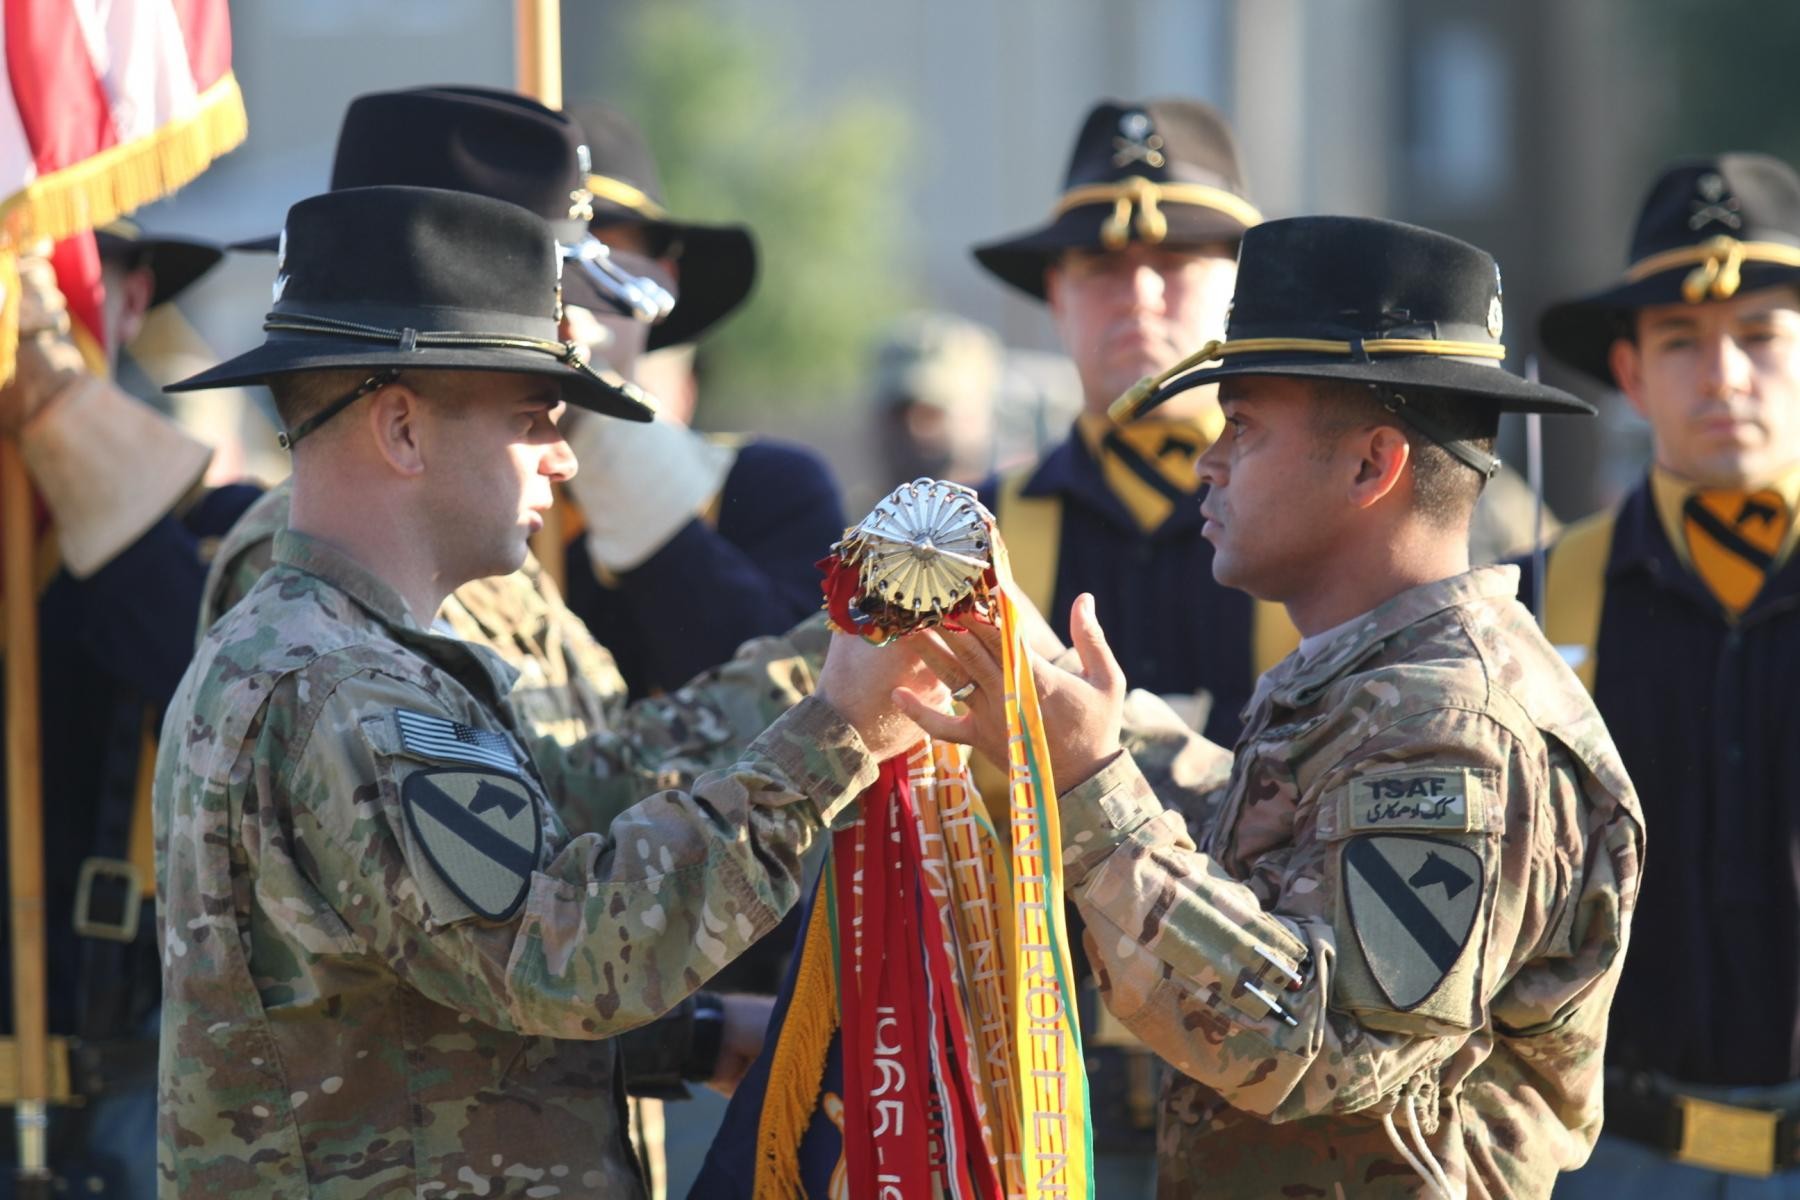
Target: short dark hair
x: 1445, y: 488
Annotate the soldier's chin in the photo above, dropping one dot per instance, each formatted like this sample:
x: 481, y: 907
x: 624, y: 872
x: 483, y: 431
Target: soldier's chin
x: 506, y: 560
x: 1230, y: 569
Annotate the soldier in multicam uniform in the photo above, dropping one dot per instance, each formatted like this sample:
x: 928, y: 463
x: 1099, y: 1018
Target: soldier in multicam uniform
x: 1380, y: 940
x: 390, y: 967
x: 570, y: 687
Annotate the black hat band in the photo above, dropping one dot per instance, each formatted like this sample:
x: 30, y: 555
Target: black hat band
x: 626, y: 196
x: 1146, y: 196
x: 1717, y: 264
x: 406, y: 341
x: 1152, y: 390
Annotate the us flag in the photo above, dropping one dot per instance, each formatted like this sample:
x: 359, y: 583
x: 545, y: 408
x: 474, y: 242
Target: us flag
x: 109, y: 104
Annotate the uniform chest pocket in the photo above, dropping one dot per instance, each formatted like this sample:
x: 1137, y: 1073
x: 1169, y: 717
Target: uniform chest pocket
x: 1412, y: 873
x: 1258, y: 812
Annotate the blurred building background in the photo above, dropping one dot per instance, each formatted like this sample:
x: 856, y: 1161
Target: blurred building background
x: 871, y: 145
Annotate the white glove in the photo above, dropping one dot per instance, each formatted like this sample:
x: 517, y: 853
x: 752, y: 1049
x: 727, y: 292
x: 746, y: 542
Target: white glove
x: 107, y: 465
x: 639, y: 484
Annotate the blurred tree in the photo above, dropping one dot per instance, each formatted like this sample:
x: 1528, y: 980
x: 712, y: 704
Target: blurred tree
x: 821, y: 188
x: 1726, y: 63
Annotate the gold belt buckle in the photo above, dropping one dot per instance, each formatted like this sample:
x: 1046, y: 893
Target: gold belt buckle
x: 1723, y: 1137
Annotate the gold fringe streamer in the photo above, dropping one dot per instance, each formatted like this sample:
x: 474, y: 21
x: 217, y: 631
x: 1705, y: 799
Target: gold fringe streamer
x: 110, y: 184
x: 798, y: 1068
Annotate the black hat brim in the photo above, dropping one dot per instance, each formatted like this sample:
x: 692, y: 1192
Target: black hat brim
x: 1501, y: 389
x: 292, y: 355
x: 1021, y: 260
x: 175, y: 263
x: 1580, y: 332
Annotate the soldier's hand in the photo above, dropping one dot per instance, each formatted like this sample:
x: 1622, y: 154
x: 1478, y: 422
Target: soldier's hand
x: 969, y: 665
x: 1082, y: 710
x: 48, y: 359
x: 859, y: 681
x: 746, y: 1027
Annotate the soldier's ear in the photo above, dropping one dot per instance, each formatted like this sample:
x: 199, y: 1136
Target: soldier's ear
x: 1384, y: 451
x: 395, y: 422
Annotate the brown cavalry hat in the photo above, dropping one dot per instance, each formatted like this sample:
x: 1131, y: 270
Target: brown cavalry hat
x: 1161, y: 171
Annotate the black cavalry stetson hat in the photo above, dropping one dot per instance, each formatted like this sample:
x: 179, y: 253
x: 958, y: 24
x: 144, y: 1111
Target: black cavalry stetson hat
x: 1709, y: 229
x: 402, y: 278
x: 176, y: 262
x: 717, y: 263
x: 470, y: 139
x: 1161, y: 171
x: 1365, y: 300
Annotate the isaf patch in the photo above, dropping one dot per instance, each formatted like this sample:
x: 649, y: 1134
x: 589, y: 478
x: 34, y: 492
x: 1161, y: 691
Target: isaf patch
x: 480, y: 832
x: 1412, y: 903
x: 1446, y: 799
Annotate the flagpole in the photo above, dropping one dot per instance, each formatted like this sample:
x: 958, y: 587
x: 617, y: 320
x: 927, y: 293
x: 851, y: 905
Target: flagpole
x: 25, y: 830
x: 537, y: 28
x: 1534, y: 475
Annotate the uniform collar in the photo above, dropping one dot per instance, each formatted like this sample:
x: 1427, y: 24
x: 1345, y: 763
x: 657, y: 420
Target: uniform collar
x: 319, y: 558
x: 1295, y: 681
x: 466, y: 660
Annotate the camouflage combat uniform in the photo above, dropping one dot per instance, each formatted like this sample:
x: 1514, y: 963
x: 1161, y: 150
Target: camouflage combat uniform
x: 570, y: 689
x: 366, y: 995
x: 1413, y: 883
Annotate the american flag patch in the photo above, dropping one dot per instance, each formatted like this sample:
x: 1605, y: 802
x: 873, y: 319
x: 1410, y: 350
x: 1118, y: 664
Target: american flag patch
x: 442, y: 740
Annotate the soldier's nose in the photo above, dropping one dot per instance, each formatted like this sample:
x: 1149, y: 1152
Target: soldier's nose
x: 559, y: 462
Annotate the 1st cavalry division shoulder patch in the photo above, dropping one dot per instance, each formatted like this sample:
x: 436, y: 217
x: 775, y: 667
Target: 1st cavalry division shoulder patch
x: 475, y: 821
x: 480, y: 832
x: 1412, y: 901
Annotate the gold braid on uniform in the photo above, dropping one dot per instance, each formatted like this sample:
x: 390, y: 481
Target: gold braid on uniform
x: 1146, y: 196
x: 1717, y: 265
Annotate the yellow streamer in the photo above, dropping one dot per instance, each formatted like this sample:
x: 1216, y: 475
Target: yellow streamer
x: 1053, y: 1116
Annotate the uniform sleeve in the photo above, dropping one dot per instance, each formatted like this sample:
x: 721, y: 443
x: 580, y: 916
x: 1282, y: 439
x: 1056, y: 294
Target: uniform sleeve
x: 1185, y: 770
x: 1356, y: 959
x: 580, y: 937
x: 669, y: 741
x: 709, y: 590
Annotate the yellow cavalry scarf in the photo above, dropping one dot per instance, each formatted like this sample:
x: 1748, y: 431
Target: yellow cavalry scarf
x: 1149, y: 464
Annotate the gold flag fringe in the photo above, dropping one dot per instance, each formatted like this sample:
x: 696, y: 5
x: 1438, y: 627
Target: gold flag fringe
x: 110, y: 184
x: 798, y: 1067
